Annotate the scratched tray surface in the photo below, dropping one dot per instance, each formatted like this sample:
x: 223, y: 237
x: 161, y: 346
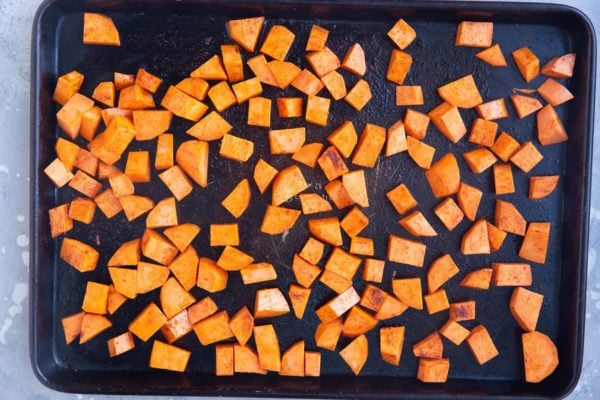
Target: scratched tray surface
x: 171, y: 44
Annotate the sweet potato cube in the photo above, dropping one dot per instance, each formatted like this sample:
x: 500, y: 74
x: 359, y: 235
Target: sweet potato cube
x: 342, y: 263
x: 233, y: 259
x: 420, y: 152
x: 120, y: 344
x: 481, y: 345
x: 483, y: 132
x: 338, y: 306
x: 409, y: 96
x: 99, y: 29
x: 277, y: 220
x: 462, y: 311
x: 479, y: 159
x: 313, y: 203
x: 148, y: 322
x: 67, y: 151
x: 335, y: 84
x: 396, y: 139
x: 60, y: 222
x: 372, y: 297
x: 245, y: 32
x: 308, y: 154
x: 85, y: 184
x: 222, y: 96
x: 525, y: 105
x: 176, y: 327
x: 157, y: 247
x: 503, y: 179
x: 135, y: 206
x: 432, y: 370
x: 358, y: 322
x: 554, y: 93
x: 332, y: 163
x: 535, y: 243
x: 213, y: 329
x: 238, y: 199
x: 549, y: 127
x: 201, y: 309
x: 454, y: 332
x: 312, y: 251
x: 335, y: 282
x: 398, y: 67
x: 356, y: 353
x: 277, y: 43
x: 338, y: 194
x: 401, y: 198
x: 312, y: 363
x: 327, y: 230
x: 354, y: 222
x: 211, y: 277
x: 560, y: 67
x: 267, y: 346
x: 151, y: 123
x: 369, y: 146
x: 150, y: 277
x: 91, y: 326
x: 286, y: 141
x: 542, y: 186
x: 416, y: 123
x: 246, y: 360
x: 211, y: 70
x: 270, y: 303
x: 440, y: 271
x: 299, y: 298
x: 138, y: 166
x: 289, y: 107
x: 540, y: 356
x: 327, y: 334
x: 168, y: 357
x: 177, y: 182
x: 354, y: 60
x: 304, y: 271
x: 359, y: 95
x: 224, y: 359
x: 185, y: 267
x: 462, y: 93
x: 82, y: 210
x: 235, y: 148
x: 492, y: 56
x: 292, y: 361
x: 69, y: 117
x: 444, y: 176
x: 147, y: 81
x: 508, y: 218
x: 128, y: 253
x: 436, y: 301
x: 123, y: 80
x: 527, y: 157
x: 405, y: 251
x: 317, y: 38
x: 317, y: 110
x: 242, y: 325
x: 356, y: 186
x: 95, y: 298
x: 112, y: 143
x: 402, y: 34
x: 373, y: 270
x: 284, y: 72
x: 79, y: 255
x: 260, y: 68
x: 391, y: 340
x: 417, y: 225
x: 476, y: 239
x: 287, y: 184
x: 362, y: 246
x: 182, y: 235
x: 264, y: 173
x: 505, y: 146
x: 511, y: 274
x: 469, y: 198
x: 525, y: 307
x: 66, y: 86
x: 449, y: 213
x: 409, y: 292
x: 527, y: 62
x: 323, y: 61
x: 104, y: 92
x: 233, y: 63
x: 479, y: 279
x: 108, y: 203
x: 195, y: 87
x: 259, y: 112
x: 307, y: 83
x: 448, y: 120
x: 255, y: 273
x: 496, y: 237
x: 474, y: 34
x: 247, y: 89
x: 135, y: 97
x: 429, y: 347
x: 90, y: 121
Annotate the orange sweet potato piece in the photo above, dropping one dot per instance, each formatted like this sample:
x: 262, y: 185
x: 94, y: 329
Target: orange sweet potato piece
x: 91, y: 326
x: 362, y: 246
x: 284, y: 73
x: 469, y: 198
x: 356, y: 187
x: 183, y: 105
x: 417, y: 225
x: 462, y: 93
x: 307, y: 83
x: 195, y: 87
x: 390, y: 308
x: 474, y: 34
x: 358, y: 322
x: 391, y: 340
x: 444, y: 176
x: 168, y: 357
x: 182, y: 235
x: 224, y: 359
x: 192, y: 157
x: 335, y: 282
x: 436, y: 301
x: 540, y: 356
x: 496, y: 237
x: 174, y: 298
x: 549, y: 127
x: 335, y: 84
x: 511, y: 274
x: 560, y: 67
x: 278, y: 219
x: 476, y: 239
x: 342, y: 263
x: 277, y: 43
x: 157, y: 248
x: 308, y: 154
x: 401, y: 199
x: 246, y: 360
x: 432, y: 370
x: 72, y: 326
x: 177, y: 182
x: 416, y: 123
x: 479, y: 279
x: 405, y: 251
x: 312, y: 363
x: 150, y: 277
x: 429, y: 347
x: 112, y: 143
x: 408, y: 291
x: 508, y: 218
x: 479, y: 159
x: 312, y: 251
x: 527, y: 157
x: 327, y: 334
x: 289, y: 107
x: 313, y: 203
x: 286, y: 141
x: 151, y: 123
x: 211, y: 277
x: 70, y: 115
x: 323, y: 61
x: 449, y: 213
x: 332, y: 164
x: 299, y: 298
x: 238, y: 199
x: 98, y: 29
x: 148, y: 322
x: 242, y: 325
x: 95, y: 298
x: 355, y: 354
x: 421, y: 153
x: 454, y: 332
x: 185, y: 267
x: 505, y: 146
x: 402, y: 34
x: 338, y: 306
x: 409, y: 96
x: 66, y: 86
x: 317, y: 110
x: 503, y: 179
x: 108, y: 114
x: 233, y: 259
x: 79, y: 255
x: 354, y: 60
x: 440, y: 271
x: 482, y: 345
x: 359, y: 95
x: 177, y: 327
x: 115, y: 300
x: 259, y: 112
x: 104, y: 92
x: 483, y: 132
x: 233, y: 63
x: 554, y: 93
x: 525, y: 306
x: 317, y: 38
x: 327, y: 230
x: 247, y: 89
x: 287, y: 184
x: 260, y: 272
x: 267, y: 346
x: 535, y: 243
x: 304, y: 271
x: 542, y: 186
x: 270, y: 303
x: 260, y: 67
x: 338, y: 194
x: 123, y: 80
x: 60, y: 222
x: 492, y: 56
x: 135, y: 97
x: 462, y: 311
x: 448, y: 120
x: 264, y: 173
x: 246, y: 32
x: 292, y: 361
x: 213, y: 329
x: 222, y: 96
x: 525, y: 105
x: 211, y: 70
x: 399, y: 66
x: 124, y: 281
x: 396, y: 139
x: 527, y: 62
x: 90, y: 122
x: 135, y: 206
x: 372, y: 297
x: 82, y: 210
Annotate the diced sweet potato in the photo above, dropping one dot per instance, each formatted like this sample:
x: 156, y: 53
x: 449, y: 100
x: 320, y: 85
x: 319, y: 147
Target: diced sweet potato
x: 554, y: 93
x: 462, y: 311
x: 260, y: 68
x: 123, y: 80
x: 108, y: 114
x: 492, y: 56
x: 267, y: 346
x: 104, y: 92
x: 436, y: 301
x: 66, y: 86
x: 462, y: 93
x: 335, y: 282
x: 308, y: 154
x: 135, y: 206
x: 264, y: 173
x: 91, y: 326
x: 90, y: 121
x: 454, y: 332
x: 396, y: 139
x: 313, y: 203
x: 278, y: 220
x: 479, y: 159
x: 158, y: 248
x: 449, y: 213
x: 542, y: 186
x: 99, y: 29
x: 496, y: 237
x: 479, y: 279
x: 112, y: 143
x: 177, y: 327
x: 356, y: 353
x: 312, y: 251
x: 398, y: 67
x: 327, y: 334
x: 503, y: 179
x: 292, y: 361
x: 527, y: 157
x: 355, y: 184
x: 416, y: 123
x: 525, y: 105
x: 150, y: 277
x: 72, y: 326
x: 323, y: 61
x: 233, y: 63
x: 549, y: 127
x: 474, y: 34
x: 354, y: 60
x: 124, y: 281
x: 135, y: 97
x: 505, y: 146
x: 82, y: 210
x: 405, y: 251
x: 259, y: 112
x: 469, y: 198
x: 288, y: 183
x: 247, y: 89
x: 391, y: 340
x: 326, y: 230
x: 60, y: 222
x: 317, y: 38
x: 299, y: 298
x: 525, y: 306
x: 417, y: 225
x: 372, y: 297
x: 286, y: 141
x: 174, y: 298
x: 420, y: 152
x: 211, y: 70
x: 317, y: 110
x: 182, y: 235
x: 242, y: 325
x: 335, y: 84
x: 540, y: 356
x: 79, y: 255
x: 236, y: 148
x: 338, y: 306
x: 151, y: 123
x: 238, y: 199
x: 560, y: 67
x: 222, y: 96
x: 476, y: 240
x: 433, y: 371
x: 307, y: 83
x: 402, y: 34
x: 312, y: 363
x: 527, y: 62
x: 195, y: 87
x: 284, y: 72
x: 224, y: 359
x: 508, y: 218
x: 246, y: 360
x: 338, y: 194
x: 213, y: 329
x: 362, y: 246
x: 332, y: 164
x: 401, y: 199
x: 168, y: 357
x: 70, y: 115
x: 390, y: 308
x: 359, y: 95
x: 440, y: 271
x: 211, y: 277
x: 342, y: 263
x: 511, y: 274
x: 147, y: 322
x: 115, y: 300
x: 409, y: 96
x: 482, y: 345
x: 444, y: 176
x: 95, y: 297
x: 246, y: 32
x: 535, y: 243
x: 177, y: 182
x: 483, y: 132
x: 429, y: 347
x: 277, y: 43
x: 260, y: 272
x: 358, y: 322
x: 270, y: 303
x: 233, y: 259
x: 185, y: 267
x: 408, y: 291
x: 448, y: 120
x: 304, y: 271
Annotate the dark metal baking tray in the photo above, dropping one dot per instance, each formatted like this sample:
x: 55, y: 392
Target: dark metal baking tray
x: 170, y: 38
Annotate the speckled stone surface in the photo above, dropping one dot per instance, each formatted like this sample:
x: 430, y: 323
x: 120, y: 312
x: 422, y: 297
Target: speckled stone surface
x: 16, y: 378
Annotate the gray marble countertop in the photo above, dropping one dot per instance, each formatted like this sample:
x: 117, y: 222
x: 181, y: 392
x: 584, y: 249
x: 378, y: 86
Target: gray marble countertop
x: 16, y: 377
